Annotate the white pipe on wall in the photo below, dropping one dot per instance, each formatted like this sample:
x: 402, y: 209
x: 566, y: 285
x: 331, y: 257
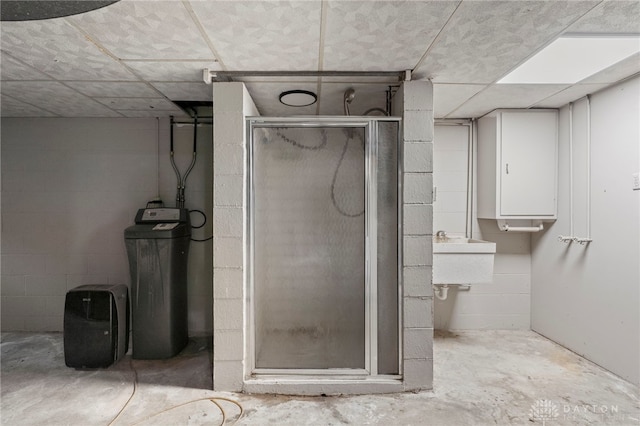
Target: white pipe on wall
x: 571, y: 169
x: 588, y: 168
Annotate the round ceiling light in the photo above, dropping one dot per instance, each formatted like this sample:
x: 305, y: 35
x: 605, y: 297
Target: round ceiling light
x: 298, y: 98
x: 33, y: 10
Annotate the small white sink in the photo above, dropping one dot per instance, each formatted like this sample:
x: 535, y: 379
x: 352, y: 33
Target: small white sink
x: 460, y: 260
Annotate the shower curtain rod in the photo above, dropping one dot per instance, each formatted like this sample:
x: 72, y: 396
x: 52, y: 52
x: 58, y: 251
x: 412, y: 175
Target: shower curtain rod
x: 209, y: 76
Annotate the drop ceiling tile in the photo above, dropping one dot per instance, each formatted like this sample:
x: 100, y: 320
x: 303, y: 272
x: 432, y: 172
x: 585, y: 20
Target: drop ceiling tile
x: 366, y: 96
x: 486, y: 39
x: 266, y: 97
x: 570, y: 94
x: 617, y: 72
x: 266, y: 36
x: 142, y: 29
x: 505, y: 96
x: 12, y: 69
x: 186, y: 91
x: 172, y: 70
x: 113, y: 89
x: 610, y: 17
x: 381, y: 35
x: 57, y: 98
x: 148, y: 104
x: 59, y: 50
x: 10, y: 107
x: 152, y: 113
x: 447, y: 97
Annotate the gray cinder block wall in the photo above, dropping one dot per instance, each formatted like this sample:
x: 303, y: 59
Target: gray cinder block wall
x: 414, y: 102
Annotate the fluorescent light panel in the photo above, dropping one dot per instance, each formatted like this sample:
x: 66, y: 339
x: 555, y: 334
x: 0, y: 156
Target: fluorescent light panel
x: 569, y: 60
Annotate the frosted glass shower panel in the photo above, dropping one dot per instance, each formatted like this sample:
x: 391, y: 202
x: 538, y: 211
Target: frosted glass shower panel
x: 309, y: 247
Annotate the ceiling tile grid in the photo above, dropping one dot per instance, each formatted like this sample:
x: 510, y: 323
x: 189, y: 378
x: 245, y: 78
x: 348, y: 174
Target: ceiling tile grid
x: 140, y: 104
x: 57, y: 49
x: 505, y: 96
x: 111, y: 89
x: 57, y: 98
x: 569, y: 94
x: 185, y: 91
x: 486, y: 39
x: 186, y: 70
x: 381, y: 35
x: 10, y: 107
x: 12, y: 69
x: 132, y: 29
x: 610, y: 17
x: 451, y: 96
x: 135, y: 54
x: 263, y: 35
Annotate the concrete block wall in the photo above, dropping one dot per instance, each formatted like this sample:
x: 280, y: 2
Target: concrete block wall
x: 414, y: 102
x: 70, y: 188
x: 231, y: 104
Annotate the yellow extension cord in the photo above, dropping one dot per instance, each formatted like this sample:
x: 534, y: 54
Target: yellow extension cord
x: 211, y: 398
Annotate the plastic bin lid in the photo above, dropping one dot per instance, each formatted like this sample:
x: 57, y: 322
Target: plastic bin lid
x: 158, y: 230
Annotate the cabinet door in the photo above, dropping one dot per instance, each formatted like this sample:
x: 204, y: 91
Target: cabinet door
x: 528, y: 164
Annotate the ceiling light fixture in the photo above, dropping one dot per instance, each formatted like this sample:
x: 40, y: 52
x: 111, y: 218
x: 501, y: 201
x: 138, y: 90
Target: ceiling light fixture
x: 570, y: 59
x: 298, y: 98
x: 34, y: 10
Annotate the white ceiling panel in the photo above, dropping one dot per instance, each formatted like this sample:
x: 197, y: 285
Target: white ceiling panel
x: 570, y: 94
x: 611, y: 16
x: 274, y: 35
x: 56, y: 48
x: 156, y: 49
x: 113, y: 89
x: 155, y: 104
x: 133, y: 29
x: 381, y: 35
x: 131, y: 113
x: 617, y: 72
x: 486, y: 39
x: 14, y: 108
x: 12, y: 69
x: 448, y: 97
x: 57, y: 98
x: 505, y: 96
x: 171, y: 70
x: 186, y: 91
x: 267, y: 98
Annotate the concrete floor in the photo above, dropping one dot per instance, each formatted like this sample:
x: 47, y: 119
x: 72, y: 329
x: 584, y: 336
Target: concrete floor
x: 481, y: 377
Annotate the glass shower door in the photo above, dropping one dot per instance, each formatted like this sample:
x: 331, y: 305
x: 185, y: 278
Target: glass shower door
x: 309, y: 289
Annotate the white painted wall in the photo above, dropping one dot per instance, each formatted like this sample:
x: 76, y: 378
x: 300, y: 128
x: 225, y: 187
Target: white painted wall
x: 504, y: 303
x: 587, y: 298
x: 69, y: 189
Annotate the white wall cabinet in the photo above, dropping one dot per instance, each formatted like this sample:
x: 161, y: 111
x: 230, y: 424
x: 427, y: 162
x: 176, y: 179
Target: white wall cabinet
x: 518, y: 164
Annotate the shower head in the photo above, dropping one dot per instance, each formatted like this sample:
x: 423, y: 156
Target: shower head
x: 349, y: 94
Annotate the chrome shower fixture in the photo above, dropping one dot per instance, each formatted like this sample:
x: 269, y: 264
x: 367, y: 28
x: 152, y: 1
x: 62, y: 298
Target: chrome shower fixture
x: 349, y: 94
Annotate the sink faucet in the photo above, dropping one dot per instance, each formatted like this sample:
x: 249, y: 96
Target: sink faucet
x: 441, y: 234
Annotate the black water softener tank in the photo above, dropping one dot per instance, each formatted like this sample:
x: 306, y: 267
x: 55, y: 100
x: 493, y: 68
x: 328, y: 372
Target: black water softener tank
x: 158, y: 251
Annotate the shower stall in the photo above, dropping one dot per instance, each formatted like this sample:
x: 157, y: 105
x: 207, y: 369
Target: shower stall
x: 323, y: 247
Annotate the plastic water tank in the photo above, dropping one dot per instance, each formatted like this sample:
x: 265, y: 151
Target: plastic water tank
x: 158, y: 252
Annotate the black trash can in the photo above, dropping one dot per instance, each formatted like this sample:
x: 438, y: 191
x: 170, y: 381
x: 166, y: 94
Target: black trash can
x: 96, y: 325
x: 158, y: 252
